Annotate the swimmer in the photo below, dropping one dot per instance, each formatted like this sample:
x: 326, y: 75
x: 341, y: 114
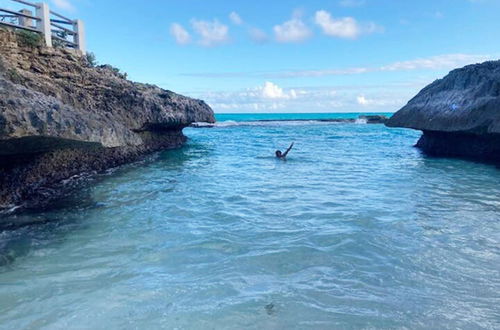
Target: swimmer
x: 281, y: 155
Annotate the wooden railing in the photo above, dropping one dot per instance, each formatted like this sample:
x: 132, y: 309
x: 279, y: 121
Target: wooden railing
x: 56, y: 29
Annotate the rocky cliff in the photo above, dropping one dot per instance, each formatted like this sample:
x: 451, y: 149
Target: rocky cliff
x: 61, y: 116
x: 459, y: 114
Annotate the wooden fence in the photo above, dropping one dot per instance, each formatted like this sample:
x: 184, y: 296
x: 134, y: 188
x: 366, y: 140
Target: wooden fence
x: 56, y: 29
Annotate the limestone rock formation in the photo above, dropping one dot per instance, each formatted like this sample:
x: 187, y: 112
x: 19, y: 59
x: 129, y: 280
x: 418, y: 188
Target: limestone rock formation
x: 459, y: 114
x: 60, y: 116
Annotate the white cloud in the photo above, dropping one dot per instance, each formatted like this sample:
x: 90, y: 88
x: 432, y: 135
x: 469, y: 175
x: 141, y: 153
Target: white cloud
x: 267, y: 97
x: 212, y: 33
x: 64, y: 5
x: 235, y: 18
x: 345, y: 27
x: 448, y: 61
x: 362, y: 100
x: 181, y: 36
x: 440, y: 62
x: 352, y: 3
x: 294, y: 30
x: 273, y: 91
x: 271, y: 97
x: 258, y: 35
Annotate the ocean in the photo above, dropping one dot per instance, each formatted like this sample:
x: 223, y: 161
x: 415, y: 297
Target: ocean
x: 356, y: 229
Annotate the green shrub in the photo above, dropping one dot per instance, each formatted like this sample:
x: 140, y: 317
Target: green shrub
x: 57, y: 43
x: 29, y: 39
x: 115, y: 70
x: 119, y: 73
x: 91, y: 60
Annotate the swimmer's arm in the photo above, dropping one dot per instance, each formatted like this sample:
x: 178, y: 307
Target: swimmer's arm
x: 288, y: 150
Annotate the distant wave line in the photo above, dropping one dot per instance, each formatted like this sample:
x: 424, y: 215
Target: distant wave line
x: 266, y: 122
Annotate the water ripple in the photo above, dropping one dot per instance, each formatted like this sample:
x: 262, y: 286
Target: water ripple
x: 356, y: 230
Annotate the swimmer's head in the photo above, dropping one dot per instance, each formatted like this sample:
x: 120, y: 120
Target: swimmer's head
x: 279, y: 153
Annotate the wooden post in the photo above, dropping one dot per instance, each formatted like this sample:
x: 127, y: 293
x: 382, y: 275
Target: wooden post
x: 79, y: 37
x: 23, y: 21
x: 43, y: 25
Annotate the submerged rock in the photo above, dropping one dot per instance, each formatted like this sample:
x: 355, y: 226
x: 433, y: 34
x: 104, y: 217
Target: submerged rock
x: 270, y: 310
x: 60, y: 116
x: 374, y: 119
x: 459, y: 114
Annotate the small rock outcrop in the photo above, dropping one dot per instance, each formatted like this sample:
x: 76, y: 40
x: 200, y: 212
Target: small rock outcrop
x: 459, y: 114
x: 61, y: 116
x: 374, y: 119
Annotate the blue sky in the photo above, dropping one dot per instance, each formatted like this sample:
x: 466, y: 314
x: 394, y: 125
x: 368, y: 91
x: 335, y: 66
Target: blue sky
x: 290, y: 56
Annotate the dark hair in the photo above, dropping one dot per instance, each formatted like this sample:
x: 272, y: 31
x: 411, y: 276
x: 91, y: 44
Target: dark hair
x: 278, y: 153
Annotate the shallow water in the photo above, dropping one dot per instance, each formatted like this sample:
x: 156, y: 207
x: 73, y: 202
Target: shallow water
x: 356, y: 230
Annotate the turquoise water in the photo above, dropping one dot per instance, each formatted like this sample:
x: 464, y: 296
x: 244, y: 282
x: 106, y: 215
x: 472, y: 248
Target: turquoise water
x: 245, y: 117
x: 356, y: 230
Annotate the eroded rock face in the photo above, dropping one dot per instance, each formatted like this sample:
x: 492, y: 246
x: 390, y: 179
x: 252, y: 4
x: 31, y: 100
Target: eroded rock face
x: 466, y: 100
x: 60, y: 116
x: 458, y: 113
x: 56, y: 93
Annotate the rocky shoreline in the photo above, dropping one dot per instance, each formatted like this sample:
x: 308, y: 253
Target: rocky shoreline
x: 35, y: 181
x: 61, y: 116
x: 459, y: 115
x: 481, y: 147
